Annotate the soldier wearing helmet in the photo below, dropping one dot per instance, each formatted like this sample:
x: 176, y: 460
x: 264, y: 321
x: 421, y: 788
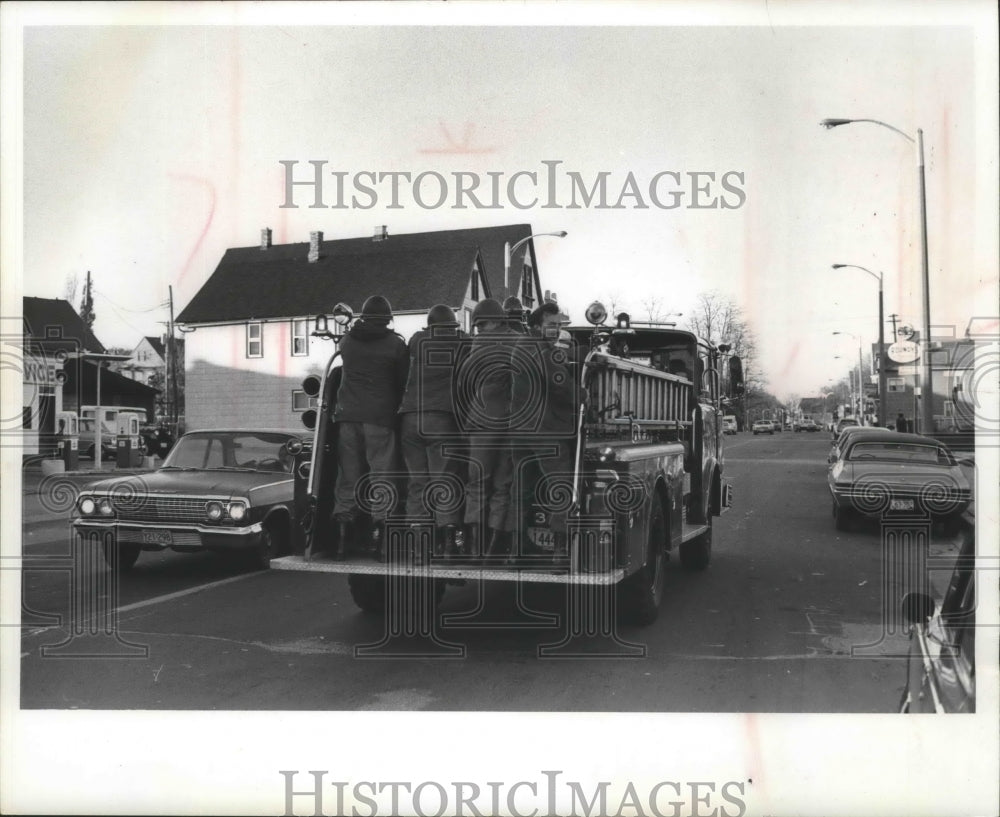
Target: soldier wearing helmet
x: 428, y: 423
x: 484, y: 385
x: 515, y: 314
x: 546, y: 446
x: 374, y: 372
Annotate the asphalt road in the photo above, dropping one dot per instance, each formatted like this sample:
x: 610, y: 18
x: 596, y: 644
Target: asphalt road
x: 769, y: 627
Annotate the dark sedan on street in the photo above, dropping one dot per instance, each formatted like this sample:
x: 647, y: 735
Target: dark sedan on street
x: 888, y: 472
x: 224, y: 490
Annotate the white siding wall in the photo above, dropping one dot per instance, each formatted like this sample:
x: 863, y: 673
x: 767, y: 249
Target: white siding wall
x: 226, y: 388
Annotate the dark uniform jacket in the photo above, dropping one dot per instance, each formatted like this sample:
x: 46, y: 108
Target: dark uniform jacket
x: 551, y: 387
x: 485, y: 379
x: 374, y: 375
x: 434, y: 358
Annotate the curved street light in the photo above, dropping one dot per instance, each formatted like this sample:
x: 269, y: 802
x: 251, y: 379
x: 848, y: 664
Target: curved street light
x: 509, y: 250
x: 881, y: 338
x: 861, y: 395
x: 926, y: 385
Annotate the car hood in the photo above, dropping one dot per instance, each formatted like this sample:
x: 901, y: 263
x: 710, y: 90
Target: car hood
x: 198, y: 483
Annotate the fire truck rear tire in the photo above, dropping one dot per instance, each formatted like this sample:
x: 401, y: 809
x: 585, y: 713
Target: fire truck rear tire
x: 641, y: 595
x: 368, y: 593
x: 697, y: 553
x: 121, y: 557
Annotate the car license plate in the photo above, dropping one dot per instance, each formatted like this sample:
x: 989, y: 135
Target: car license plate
x: 900, y: 504
x: 157, y: 537
x: 542, y: 538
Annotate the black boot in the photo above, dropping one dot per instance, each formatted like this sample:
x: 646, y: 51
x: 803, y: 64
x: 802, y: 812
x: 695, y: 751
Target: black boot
x: 498, y: 545
x: 444, y: 541
x: 345, y: 539
x: 473, y: 544
x: 378, y: 541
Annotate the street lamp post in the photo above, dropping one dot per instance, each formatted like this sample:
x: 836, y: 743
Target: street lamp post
x: 508, y: 251
x: 861, y: 391
x: 926, y: 385
x: 881, y: 340
x: 850, y: 382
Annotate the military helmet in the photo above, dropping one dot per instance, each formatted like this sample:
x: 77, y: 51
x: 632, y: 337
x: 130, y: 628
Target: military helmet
x: 376, y: 308
x: 441, y: 315
x: 513, y: 306
x: 488, y: 310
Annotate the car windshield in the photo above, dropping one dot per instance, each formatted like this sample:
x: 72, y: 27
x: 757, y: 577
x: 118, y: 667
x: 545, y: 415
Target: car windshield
x: 901, y: 452
x: 251, y: 450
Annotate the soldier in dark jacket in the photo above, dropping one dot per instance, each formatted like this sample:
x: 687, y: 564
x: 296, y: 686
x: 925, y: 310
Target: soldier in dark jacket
x: 429, y: 423
x: 549, y: 436
x: 375, y: 365
x: 485, y: 389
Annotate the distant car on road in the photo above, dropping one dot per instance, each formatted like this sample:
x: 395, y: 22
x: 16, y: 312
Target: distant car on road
x: 225, y: 490
x: 843, y: 423
x: 847, y: 434
x: 886, y: 472
x: 762, y: 427
x: 807, y: 425
x: 941, y: 671
x: 729, y: 425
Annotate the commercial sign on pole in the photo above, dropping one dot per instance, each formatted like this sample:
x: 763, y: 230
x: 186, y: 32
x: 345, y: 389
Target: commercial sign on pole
x: 905, y: 351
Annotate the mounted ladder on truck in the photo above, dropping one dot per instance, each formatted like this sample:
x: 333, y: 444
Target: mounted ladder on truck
x: 648, y: 477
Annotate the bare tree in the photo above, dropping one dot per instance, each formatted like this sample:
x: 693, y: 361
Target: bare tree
x: 71, y: 285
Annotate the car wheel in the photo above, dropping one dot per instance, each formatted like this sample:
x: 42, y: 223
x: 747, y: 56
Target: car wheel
x: 120, y: 556
x: 270, y: 546
x: 843, y: 519
x: 641, y: 595
x: 368, y: 593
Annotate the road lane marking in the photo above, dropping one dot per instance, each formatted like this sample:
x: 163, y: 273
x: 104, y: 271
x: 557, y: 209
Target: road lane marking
x: 181, y: 593
x: 146, y: 603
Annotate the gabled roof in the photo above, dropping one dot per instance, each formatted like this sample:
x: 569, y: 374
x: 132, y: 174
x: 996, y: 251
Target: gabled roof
x: 157, y: 345
x: 43, y: 317
x: 414, y: 271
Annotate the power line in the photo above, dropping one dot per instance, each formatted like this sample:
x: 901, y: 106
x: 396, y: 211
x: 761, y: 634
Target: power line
x: 161, y: 305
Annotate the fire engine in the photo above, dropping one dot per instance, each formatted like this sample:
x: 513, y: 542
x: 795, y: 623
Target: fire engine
x: 648, y: 476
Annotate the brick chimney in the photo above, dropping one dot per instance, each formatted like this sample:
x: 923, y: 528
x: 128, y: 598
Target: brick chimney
x: 265, y: 238
x: 315, y: 239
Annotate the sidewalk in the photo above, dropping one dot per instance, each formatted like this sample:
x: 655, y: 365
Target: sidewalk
x: 32, y: 477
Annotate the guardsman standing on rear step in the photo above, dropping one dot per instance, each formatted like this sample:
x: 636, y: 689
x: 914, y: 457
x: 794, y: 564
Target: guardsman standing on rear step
x: 375, y: 367
x: 485, y: 386
x: 428, y: 424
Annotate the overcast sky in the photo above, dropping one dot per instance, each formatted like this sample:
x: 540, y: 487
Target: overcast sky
x: 150, y: 150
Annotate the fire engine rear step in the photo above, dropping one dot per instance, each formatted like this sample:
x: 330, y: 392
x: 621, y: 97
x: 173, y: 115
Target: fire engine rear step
x: 458, y: 572
x: 688, y: 532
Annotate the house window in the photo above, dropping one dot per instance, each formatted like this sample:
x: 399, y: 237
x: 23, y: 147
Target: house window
x: 527, y: 297
x: 255, y: 340
x: 302, y: 401
x: 475, y: 283
x: 300, y: 337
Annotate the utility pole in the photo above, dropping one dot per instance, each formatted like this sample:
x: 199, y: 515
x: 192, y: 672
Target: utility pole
x: 172, y: 363
x: 894, y: 318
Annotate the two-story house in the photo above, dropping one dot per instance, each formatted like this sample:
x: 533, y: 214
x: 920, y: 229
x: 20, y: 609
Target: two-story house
x: 248, y: 331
